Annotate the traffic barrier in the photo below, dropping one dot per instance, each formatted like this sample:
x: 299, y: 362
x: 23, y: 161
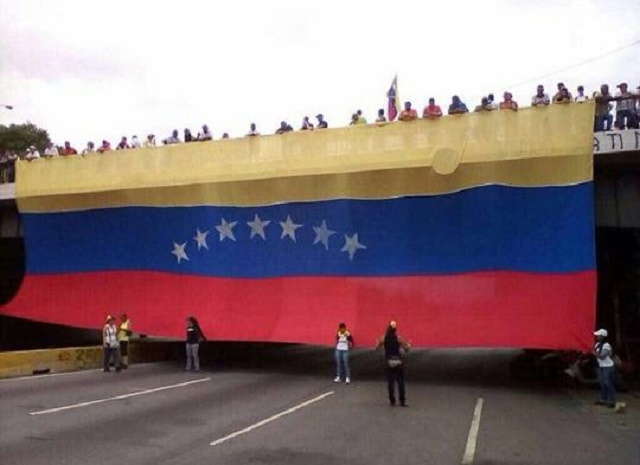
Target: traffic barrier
x: 44, y: 361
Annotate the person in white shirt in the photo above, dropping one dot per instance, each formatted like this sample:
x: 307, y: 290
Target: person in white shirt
x: 135, y: 142
x: 50, y: 150
x: 150, y: 142
x: 606, y: 369
x: 540, y: 98
x: 32, y: 154
x: 110, y: 345
x: 580, y: 97
x: 344, y: 342
x: 626, y: 108
x: 253, y: 131
x: 91, y: 148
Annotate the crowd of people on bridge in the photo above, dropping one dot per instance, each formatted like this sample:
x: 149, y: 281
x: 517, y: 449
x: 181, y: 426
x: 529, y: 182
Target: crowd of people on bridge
x: 627, y: 116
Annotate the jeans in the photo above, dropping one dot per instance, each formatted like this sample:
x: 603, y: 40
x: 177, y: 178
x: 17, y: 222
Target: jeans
x: 110, y: 353
x: 342, y: 364
x: 192, y: 357
x: 395, y: 375
x: 631, y: 119
x: 607, y: 381
x: 603, y: 122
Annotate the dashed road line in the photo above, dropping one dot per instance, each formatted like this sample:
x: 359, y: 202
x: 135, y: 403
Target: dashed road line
x: 120, y: 397
x: 472, y: 439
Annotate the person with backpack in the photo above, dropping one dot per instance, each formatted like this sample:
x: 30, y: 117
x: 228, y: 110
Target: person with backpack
x: 110, y: 345
x: 606, y: 369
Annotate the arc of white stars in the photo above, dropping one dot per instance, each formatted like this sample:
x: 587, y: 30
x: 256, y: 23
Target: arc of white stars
x: 351, y: 245
x: 201, y: 239
x: 179, y: 252
x: 289, y: 228
x: 323, y: 234
x: 226, y: 230
x: 257, y: 227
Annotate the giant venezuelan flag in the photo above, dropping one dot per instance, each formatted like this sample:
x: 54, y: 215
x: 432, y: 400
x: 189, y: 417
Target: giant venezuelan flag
x: 474, y: 230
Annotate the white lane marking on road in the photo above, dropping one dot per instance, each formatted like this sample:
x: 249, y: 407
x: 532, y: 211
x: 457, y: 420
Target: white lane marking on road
x: 120, y: 397
x: 217, y: 442
x: 470, y: 450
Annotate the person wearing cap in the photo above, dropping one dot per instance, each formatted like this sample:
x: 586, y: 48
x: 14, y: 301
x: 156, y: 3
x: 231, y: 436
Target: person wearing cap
x: 626, y: 116
x: 110, y: 345
x: 606, y: 369
x: 124, y: 333
x: 344, y: 342
x: 322, y: 124
x: 395, y: 349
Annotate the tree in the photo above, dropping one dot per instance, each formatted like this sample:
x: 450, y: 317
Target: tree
x: 19, y: 137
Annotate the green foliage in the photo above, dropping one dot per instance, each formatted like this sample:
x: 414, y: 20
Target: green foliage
x: 18, y: 137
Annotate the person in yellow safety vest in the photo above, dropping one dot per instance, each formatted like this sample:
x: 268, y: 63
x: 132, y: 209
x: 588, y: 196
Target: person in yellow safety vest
x: 124, y: 333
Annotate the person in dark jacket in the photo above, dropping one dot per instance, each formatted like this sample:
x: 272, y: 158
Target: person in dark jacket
x: 394, y: 349
x: 194, y: 336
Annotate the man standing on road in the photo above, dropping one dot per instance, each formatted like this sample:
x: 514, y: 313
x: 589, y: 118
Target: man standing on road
x: 110, y: 345
x: 394, y: 349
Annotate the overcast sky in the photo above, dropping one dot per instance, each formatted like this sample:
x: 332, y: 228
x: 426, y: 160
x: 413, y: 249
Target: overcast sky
x: 88, y: 70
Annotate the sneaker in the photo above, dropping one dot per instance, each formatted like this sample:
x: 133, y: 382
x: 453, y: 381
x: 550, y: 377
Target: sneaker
x: 348, y: 380
x: 336, y: 379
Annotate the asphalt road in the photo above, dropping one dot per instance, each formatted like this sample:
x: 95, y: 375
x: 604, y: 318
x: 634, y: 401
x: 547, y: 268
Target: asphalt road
x: 279, y: 405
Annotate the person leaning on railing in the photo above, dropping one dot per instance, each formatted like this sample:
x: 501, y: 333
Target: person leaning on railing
x: 603, y: 118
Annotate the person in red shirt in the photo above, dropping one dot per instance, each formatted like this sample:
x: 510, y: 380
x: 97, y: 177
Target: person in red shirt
x: 68, y: 150
x: 408, y: 114
x: 432, y: 111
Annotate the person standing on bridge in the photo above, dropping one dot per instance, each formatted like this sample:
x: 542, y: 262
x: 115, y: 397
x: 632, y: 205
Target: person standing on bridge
x: 344, y: 342
x: 606, y: 369
x: 395, y: 347
x: 194, y: 336
x: 110, y: 345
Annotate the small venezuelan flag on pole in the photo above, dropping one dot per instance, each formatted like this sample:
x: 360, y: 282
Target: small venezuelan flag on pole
x: 394, y: 101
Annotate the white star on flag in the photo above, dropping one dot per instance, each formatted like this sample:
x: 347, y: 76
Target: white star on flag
x: 257, y: 227
x: 178, y: 251
x: 226, y: 230
x: 289, y: 228
x: 351, y: 245
x: 323, y: 234
x: 201, y: 239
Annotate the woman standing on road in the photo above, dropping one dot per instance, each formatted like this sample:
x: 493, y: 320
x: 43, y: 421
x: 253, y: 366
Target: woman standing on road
x: 344, y: 342
x: 606, y: 369
x: 194, y: 336
x: 394, y: 349
x: 110, y: 345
